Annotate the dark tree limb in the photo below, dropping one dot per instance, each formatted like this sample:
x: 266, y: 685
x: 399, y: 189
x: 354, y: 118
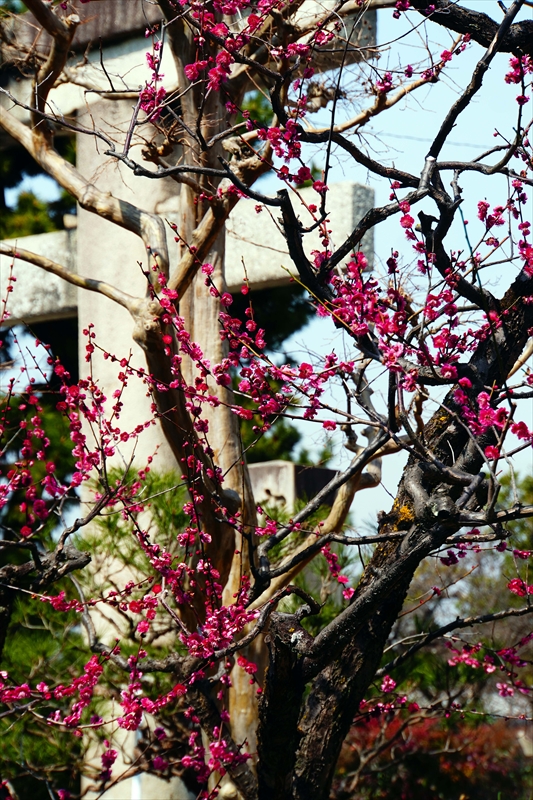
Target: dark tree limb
x: 484, y: 169
x: 370, y: 219
x: 292, y: 229
x: 392, y: 173
x: 477, y: 295
x: 53, y: 567
x: 34, y: 576
x: 518, y: 39
x: 279, y: 709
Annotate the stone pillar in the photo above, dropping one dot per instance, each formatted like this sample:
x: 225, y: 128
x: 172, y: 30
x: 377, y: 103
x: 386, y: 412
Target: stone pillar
x: 112, y: 254
x: 109, y: 253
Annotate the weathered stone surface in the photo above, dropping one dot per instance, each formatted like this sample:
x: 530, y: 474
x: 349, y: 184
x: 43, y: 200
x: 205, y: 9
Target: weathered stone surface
x: 125, y: 63
x: 255, y: 239
x: 282, y: 483
x: 39, y: 296
x: 361, y: 36
x: 116, y: 20
x: 100, y: 250
x: 120, y: 25
x: 117, y: 256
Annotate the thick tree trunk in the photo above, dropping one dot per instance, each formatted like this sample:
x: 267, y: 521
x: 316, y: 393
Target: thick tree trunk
x: 334, y: 698
x: 282, y: 699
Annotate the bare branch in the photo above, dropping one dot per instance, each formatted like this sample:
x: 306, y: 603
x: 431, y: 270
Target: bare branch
x: 484, y: 169
x: 120, y: 297
x: 355, y: 467
x: 457, y: 624
x: 392, y: 173
x: 476, y: 80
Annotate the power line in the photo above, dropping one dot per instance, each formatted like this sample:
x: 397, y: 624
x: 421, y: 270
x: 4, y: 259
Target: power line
x: 419, y: 139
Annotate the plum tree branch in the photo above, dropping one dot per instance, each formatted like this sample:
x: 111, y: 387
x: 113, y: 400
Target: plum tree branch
x: 117, y: 295
x: 456, y: 624
x: 516, y: 39
x: 477, y: 79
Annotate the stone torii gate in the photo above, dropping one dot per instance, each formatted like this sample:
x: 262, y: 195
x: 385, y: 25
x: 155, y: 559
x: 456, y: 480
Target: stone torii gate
x: 92, y: 247
x: 107, y: 81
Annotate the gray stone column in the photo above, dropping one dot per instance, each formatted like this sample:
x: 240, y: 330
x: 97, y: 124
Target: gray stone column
x: 112, y: 254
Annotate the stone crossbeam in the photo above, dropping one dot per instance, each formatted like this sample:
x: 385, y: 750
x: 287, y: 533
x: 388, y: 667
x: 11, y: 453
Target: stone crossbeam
x: 255, y: 246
